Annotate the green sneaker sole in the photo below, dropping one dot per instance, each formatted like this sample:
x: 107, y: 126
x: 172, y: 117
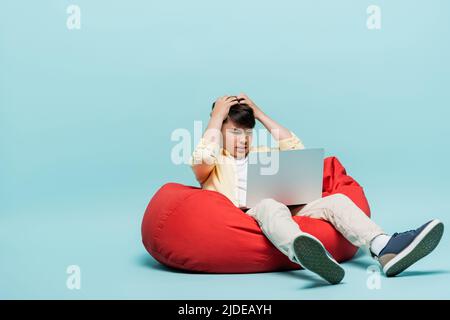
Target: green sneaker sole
x: 313, y: 256
x: 423, y: 248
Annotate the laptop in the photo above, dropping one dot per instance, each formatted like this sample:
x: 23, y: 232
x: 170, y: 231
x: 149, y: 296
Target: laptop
x: 292, y: 177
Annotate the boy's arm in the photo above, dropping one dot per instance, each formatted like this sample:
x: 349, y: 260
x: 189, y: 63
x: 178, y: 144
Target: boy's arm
x: 287, y: 140
x: 204, y: 157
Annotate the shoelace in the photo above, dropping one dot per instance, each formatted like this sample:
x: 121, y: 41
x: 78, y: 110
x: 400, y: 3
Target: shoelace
x: 405, y: 232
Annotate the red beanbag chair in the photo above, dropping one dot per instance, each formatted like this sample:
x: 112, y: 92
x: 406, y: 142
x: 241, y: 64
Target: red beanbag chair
x: 188, y: 228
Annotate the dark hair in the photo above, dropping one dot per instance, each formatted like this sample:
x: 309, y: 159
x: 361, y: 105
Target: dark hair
x: 241, y: 114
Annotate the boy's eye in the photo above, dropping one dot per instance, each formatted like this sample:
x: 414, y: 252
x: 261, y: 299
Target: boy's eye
x: 238, y: 131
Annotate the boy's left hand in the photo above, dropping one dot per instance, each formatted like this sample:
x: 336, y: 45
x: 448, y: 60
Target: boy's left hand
x: 243, y: 98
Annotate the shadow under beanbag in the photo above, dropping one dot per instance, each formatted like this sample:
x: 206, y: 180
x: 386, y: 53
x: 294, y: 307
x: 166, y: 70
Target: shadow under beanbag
x: 188, y: 228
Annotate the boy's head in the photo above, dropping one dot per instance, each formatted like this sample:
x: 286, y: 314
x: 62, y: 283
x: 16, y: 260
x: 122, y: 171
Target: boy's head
x: 237, y: 130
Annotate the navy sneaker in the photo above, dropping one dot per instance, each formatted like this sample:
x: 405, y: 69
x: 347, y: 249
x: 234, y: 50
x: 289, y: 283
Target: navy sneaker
x: 311, y: 255
x: 406, y: 248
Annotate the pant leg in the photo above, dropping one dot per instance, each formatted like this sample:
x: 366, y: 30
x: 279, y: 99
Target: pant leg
x: 277, y: 224
x: 345, y: 216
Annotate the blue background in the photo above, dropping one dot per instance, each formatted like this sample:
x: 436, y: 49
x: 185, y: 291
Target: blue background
x: 86, y: 118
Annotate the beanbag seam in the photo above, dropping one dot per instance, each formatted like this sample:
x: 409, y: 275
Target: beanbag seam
x: 162, y: 224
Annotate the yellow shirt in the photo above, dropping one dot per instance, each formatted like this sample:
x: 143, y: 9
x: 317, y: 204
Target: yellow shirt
x: 223, y: 177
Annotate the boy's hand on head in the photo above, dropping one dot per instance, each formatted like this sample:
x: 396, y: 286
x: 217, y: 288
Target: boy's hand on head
x: 222, y: 106
x: 243, y: 98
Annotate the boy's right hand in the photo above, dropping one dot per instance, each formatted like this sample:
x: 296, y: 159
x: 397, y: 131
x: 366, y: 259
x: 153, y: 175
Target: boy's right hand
x: 222, y: 106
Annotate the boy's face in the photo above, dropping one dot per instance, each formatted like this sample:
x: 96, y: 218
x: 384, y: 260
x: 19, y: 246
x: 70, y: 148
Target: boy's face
x: 236, y: 140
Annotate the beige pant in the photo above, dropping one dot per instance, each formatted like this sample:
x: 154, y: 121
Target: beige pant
x: 275, y: 220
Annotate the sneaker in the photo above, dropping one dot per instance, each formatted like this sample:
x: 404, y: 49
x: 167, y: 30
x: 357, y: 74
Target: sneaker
x: 312, y: 255
x: 406, y: 248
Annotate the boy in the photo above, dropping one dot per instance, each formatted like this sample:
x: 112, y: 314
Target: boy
x: 220, y: 161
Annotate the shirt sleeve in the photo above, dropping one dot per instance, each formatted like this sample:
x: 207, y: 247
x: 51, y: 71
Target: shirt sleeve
x: 291, y: 143
x: 205, y: 152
